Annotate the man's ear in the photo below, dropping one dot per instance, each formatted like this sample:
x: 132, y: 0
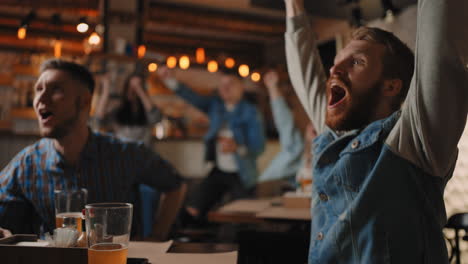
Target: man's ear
x: 392, y: 87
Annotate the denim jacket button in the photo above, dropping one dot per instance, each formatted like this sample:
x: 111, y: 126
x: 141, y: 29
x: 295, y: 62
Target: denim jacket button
x: 320, y: 236
x: 355, y: 144
x: 323, y: 197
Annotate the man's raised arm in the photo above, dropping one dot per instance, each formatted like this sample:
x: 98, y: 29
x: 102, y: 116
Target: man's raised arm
x: 435, y: 110
x: 304, y: 65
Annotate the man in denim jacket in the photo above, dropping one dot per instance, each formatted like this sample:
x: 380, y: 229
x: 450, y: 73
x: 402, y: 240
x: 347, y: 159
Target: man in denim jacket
x: 234, y: 140
x: 380, y: 171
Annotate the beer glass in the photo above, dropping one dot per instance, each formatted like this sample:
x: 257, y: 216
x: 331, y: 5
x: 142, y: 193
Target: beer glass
x: 69, y: 205
x: 108, y: 231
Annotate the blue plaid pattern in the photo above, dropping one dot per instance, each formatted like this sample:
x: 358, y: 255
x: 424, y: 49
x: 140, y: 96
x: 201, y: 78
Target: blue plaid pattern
x: 109, y: 168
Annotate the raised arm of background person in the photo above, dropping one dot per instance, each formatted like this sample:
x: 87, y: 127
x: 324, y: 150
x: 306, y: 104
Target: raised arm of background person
x: 104, y: 98
x: 289, y: 136
x: 153, y: 114
x: 434, y: 114
x: 304, y: 65
x: 201, y: 102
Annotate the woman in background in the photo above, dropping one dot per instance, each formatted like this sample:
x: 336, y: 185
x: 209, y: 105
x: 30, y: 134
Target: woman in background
x: 134, y: 118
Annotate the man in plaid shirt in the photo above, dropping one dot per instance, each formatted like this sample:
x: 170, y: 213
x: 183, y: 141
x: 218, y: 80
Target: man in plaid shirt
x: 71, y: 156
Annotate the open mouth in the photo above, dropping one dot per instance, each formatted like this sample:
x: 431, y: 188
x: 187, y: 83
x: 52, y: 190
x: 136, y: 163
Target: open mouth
x: 45, y: 115
x: 337, y: 95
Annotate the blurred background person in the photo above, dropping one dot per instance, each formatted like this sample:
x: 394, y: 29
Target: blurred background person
x: 136, y: 114
x: 233, y: 142
x: 133, y: 119
x: 294, y: 161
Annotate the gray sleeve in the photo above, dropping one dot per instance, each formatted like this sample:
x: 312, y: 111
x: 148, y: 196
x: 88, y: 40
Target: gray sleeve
x: 305, y: 69
x: 435, y: 111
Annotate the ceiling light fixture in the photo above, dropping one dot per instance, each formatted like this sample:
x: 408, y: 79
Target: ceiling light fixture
x: 24, y: 24
x: 82, y: 26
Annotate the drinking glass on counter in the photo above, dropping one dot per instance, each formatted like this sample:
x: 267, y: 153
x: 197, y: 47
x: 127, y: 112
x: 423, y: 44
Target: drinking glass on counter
x: 69, y: 205
x: 108, y: 231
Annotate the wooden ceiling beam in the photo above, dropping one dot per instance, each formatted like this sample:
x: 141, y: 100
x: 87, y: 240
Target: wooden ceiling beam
x: 33, y: 44
x: 215, y: 20
x: 81, y: 7
x: 201, y: 42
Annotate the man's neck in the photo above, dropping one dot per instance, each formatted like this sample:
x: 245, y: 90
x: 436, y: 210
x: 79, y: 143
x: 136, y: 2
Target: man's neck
x: 71, y: 145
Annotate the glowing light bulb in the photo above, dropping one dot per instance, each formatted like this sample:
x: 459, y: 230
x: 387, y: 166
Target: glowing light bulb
x: 82, y: 27
x: 244, y: 70
x: 200, y: 55
x: 141, y: 51
x: 22, y: 32
x: 212, y: 66
x: 152, y: 67
x: 255, y: 76
x: 58, y: 49
x: 94, y: 39
x: 229, y: 63
x: 171, y: 62
x: 184, y: 62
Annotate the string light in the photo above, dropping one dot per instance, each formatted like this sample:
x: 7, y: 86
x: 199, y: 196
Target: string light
x: 244, y: 70
x: 141, y: 51
x: 171, y: 62
x: 184, y: 62
x: 255, y: 76
x: 152, y: 67
x: 82, y: 26
x: 94, y: 39
x: 200, y: 55
x: 57, y: 48
x: 229, y: 63
x: 212, y: 66
x: 22, y: 32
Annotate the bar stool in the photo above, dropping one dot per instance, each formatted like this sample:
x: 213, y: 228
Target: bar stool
x: 457, y: 222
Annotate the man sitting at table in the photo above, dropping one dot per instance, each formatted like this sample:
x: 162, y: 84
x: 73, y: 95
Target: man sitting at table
x: 70, y: 156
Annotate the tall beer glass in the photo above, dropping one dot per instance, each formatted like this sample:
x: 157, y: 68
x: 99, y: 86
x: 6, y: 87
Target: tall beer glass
x: 69, y: 205
x: 108, y: 231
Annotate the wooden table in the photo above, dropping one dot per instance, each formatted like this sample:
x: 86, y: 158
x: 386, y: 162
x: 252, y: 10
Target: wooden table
x: 169, y: 252
x: 258, y: 211
x: 267, y: 230
x: 156, y: 252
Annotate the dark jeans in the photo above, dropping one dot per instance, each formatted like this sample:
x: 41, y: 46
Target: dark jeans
x: 212, y: 189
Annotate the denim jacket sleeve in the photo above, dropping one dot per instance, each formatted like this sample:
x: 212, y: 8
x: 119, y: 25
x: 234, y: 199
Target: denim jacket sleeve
x: 305, y: 69
x: 435, y: 111
x: 203, y: 103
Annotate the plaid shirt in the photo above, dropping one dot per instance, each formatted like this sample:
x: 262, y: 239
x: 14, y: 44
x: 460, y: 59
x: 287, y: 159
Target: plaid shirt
x: 108, y: 168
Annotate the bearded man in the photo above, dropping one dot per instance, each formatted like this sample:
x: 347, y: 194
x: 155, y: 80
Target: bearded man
x: 380, y: 169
